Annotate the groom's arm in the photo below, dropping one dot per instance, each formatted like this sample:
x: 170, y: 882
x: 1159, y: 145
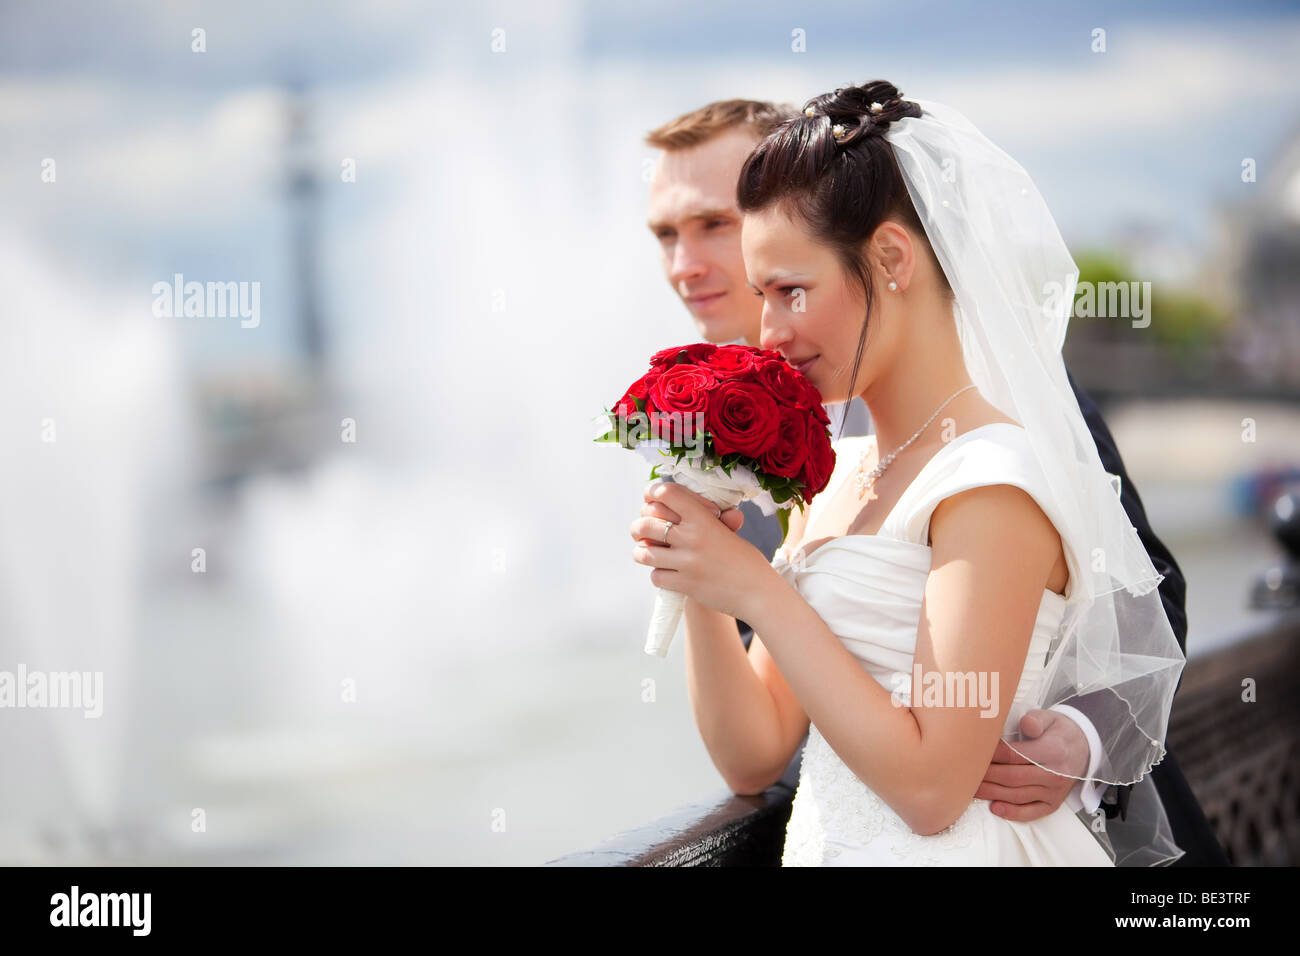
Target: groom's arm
x: 1086, y: 794
x: 1099, y: 716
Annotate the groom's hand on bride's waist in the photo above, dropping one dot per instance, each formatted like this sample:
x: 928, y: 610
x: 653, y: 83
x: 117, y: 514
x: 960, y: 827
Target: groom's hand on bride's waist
x: 1021, y: 790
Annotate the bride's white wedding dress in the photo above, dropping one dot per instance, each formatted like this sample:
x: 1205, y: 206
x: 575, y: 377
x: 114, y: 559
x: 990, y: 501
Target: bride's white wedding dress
x: 868, y: 589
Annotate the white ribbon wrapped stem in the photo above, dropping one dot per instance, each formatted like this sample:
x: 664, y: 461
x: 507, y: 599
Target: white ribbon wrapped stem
x: 715, y: 485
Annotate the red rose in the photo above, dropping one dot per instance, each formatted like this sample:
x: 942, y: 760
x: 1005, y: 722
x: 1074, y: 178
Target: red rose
x: 625, y: 406
x: 790, y: 450
x: 677, y: 394
x: 816, y: 406
x: 812, y: 399
x: 820, y: 462
x: 743, y: 418
x: 782, y: 382
x: 696, y: 353
x: 736, y: 362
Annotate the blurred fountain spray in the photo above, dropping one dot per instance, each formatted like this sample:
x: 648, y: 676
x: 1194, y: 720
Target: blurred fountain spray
x: 75, y: 515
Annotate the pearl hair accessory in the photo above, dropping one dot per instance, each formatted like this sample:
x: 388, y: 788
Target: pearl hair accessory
x: 838, y: 130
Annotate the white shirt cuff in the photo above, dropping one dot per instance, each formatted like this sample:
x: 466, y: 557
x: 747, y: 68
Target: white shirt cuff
x: 1086, y: 794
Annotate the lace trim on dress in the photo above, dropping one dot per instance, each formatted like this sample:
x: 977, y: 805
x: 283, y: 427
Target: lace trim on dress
x: 832, y: 805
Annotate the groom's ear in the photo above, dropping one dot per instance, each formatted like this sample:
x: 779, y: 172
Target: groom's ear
x: 893, y: 251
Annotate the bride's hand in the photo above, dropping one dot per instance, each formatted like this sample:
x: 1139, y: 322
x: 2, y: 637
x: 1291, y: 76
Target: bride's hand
x: 733, y: 518
x: 704, y: 558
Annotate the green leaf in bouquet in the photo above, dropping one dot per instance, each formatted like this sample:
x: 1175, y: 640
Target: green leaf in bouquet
x: 783, y: 519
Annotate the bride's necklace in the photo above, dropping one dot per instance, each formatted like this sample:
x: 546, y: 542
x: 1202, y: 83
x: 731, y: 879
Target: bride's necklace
x: 865, y: 482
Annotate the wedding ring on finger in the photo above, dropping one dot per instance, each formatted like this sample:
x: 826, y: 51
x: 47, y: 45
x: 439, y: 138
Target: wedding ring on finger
x: 668, y: 525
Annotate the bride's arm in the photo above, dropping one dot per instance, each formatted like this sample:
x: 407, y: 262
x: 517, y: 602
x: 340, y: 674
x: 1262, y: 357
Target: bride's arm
x: 735, y: 710
x: 750, y: 721
x: 747, y: 715
x: 993, y: 553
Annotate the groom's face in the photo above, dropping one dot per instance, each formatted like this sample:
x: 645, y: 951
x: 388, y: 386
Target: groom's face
x: 693, y: 214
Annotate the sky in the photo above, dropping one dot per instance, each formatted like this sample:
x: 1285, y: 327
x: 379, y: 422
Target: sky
x: 170, y: 156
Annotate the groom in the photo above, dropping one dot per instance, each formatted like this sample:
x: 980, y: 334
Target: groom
x: 693, y: 216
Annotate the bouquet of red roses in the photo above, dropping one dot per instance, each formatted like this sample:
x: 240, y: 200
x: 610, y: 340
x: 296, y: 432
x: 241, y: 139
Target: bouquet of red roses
x: 731, y: 423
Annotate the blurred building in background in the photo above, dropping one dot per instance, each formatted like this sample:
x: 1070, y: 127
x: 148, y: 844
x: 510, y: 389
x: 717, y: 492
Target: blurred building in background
x: 1260, y: 247
x: 275, y: 413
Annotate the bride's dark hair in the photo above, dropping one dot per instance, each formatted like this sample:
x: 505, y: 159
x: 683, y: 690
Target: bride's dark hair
x: 842, y: 187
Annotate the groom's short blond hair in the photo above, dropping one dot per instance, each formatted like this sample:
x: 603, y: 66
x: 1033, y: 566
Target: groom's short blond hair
x: 690, y: 129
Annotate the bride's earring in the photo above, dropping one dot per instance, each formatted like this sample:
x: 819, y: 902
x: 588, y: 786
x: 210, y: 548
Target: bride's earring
x: 893, y: 286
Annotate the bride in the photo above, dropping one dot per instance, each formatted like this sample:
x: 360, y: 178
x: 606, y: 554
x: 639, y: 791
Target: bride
x: 969, y: 561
